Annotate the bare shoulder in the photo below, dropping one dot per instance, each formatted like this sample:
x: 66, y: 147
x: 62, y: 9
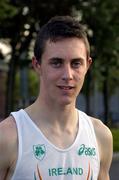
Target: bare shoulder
x: 8, y: 130
x: 101, y: 129
x: 8, y: 143
x: 105, y: 144
x: 103, y: 133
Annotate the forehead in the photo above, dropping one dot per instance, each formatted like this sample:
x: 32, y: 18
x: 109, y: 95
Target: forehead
x: 65, y: 48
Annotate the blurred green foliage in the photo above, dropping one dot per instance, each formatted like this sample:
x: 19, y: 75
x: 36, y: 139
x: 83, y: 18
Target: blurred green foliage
x: 21, y: 19
x: 115, y: 133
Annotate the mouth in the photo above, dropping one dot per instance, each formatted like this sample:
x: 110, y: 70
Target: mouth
x: 66, y: 87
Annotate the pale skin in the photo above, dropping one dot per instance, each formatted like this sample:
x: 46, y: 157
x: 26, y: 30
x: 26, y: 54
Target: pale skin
x: 61, y: 73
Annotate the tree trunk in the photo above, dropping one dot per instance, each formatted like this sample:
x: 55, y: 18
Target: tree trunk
x: 12, y: 69
x: 106, y: 97
x: 10, y: 86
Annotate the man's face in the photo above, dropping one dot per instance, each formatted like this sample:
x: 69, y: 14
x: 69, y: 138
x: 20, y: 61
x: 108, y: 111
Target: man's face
x: 62, y: 71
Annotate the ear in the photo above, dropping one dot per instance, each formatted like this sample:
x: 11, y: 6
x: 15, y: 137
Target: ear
x: 36, y: 65
x: 89, y: 62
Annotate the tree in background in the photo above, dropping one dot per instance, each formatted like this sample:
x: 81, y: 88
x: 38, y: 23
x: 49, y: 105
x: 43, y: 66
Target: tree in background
x: 21, y: 19
x: 102, y: 17
x: 21, y: 27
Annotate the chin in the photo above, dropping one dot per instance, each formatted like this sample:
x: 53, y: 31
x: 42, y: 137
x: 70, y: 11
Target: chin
x: 65, y: 102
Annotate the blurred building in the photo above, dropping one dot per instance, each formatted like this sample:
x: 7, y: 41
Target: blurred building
x: 97, y: 106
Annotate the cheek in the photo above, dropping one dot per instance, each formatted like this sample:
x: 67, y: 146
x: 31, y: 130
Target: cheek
x: 48, y: 76
x: 81, y: 74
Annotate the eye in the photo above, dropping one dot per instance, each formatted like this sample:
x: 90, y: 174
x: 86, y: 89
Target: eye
x: 56, y: 62
x: 76, y: 63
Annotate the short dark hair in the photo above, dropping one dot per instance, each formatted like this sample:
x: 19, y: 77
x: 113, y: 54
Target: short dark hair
x: 57, y: 28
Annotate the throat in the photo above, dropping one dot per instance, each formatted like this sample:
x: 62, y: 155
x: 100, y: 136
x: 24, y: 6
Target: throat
x: 62, y: 137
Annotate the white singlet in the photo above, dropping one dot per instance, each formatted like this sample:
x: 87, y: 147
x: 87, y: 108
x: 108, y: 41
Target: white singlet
x: 39, y: 159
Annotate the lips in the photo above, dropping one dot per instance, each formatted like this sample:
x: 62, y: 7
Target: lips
x: 66, y: 87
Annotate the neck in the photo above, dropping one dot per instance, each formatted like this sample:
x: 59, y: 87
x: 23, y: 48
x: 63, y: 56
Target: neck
x: 55, y: 115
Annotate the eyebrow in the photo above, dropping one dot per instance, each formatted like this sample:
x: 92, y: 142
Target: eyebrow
x: 61, y: 59
x: 55, y: 58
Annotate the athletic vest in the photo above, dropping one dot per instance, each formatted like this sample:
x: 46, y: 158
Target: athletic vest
x: 39, y: 159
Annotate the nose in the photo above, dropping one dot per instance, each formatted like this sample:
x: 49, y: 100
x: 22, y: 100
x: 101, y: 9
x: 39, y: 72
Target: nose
x: 67, y: 73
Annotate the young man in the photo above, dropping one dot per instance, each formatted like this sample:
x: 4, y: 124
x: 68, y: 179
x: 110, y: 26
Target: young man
x: 51, y: 139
